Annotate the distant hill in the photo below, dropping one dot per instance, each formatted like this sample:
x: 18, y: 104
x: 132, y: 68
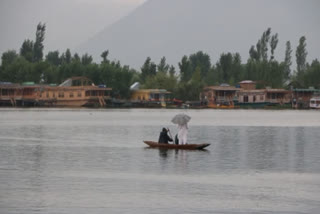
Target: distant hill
x: 173, y: 28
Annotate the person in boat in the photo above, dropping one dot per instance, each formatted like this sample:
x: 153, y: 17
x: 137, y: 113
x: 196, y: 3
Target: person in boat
x: 164, y: 137
x: 182, y: 133
x: 176, y: 139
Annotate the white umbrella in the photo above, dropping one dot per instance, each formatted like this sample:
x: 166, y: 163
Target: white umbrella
x: 181, y: 119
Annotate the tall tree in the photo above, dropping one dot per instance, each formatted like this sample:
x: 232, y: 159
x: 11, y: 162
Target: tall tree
x: 260, y: 52
x: 172, y: 71
x: 76, y: 57
x: 287, y: 60
x: 86, y: 59
x: 38, y: 45
x: 273, y: 44
x: 26, y: 50
x: 312, y: 74
x: 68, y: 56
x: 53, y: 58
x: 202, y: 61
x: 229, y: 68
x: 104, y: 56
x: 264, y: 41
x: 8, y: 57
x: 148, y: 69
x: 163, y: 66
x: 185, y: 69
x: 301, y: 56
x: 254, y: 55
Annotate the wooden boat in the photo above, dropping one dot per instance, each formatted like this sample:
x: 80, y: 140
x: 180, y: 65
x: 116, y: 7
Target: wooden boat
x: 174, y: 146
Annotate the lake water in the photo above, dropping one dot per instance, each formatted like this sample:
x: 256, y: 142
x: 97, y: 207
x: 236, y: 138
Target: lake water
x: 80, y: 161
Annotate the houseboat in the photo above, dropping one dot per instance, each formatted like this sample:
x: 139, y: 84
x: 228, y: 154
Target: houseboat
x: 278, y: 96
x: 219, y: 96
x: 150, y: 97
x: 249, y: 96
x: 10, y: 93
x: 74, y: 92
x: 315, y: 103
x: 301, y: 97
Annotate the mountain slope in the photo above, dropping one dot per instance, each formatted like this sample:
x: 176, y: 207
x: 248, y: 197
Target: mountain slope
x: 174, y: 28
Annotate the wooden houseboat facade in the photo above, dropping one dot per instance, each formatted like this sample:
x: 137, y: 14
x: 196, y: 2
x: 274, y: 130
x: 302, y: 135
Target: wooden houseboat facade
x: 315, y: 103
x: 219, y: 96
x: 278, y: 96
x: 74, y: 92
x: 150, y: 97
x: 301, y: 97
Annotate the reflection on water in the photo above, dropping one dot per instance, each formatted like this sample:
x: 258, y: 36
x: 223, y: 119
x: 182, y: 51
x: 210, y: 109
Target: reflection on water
x: 94, y: 161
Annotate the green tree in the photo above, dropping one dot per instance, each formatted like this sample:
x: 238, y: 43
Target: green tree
x: 86, y: 59
x: 26, y: 50
x: 161, y: 81
x: 53, y: 58
x: 287, y: 60
x: 202, y: 61
x: 8, y: 57
x: 191, y: 90
x: 229, y: 68
x: 163, y: 66
x: 273, y: 44
x: 68, y: 56
x: 260, y: 52
x: 104, y: 56
x: 38, y: 45
x: 76, y: 57
x: 301, y: 56
x: 185, y: 69
x: 172, y: 71
x: 264, y: 41
x: 148, y: 69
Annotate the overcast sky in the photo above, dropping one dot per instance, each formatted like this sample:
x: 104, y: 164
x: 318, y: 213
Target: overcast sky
x: 170, y: 28
x: 69, y: 22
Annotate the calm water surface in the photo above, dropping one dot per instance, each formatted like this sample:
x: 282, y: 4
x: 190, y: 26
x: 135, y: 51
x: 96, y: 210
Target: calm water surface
x: 71, y: 161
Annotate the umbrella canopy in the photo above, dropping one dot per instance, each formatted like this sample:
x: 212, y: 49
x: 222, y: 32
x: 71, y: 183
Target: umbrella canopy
x: 181, y: 119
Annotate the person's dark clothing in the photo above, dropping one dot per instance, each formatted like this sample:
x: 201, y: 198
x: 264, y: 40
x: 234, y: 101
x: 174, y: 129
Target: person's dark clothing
x: 164, y: 138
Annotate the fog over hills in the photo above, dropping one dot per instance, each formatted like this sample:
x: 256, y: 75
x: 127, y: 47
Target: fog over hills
x: 173, y: 28
x: 68, y: 22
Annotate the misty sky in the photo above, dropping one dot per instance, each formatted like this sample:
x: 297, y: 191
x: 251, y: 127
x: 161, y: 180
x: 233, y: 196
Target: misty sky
x: 135, y: 29
x: 69, y: 22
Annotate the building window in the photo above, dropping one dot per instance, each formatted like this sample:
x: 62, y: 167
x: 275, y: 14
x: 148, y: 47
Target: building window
x: 261, y: 97
x: 61, y: 94
x: 53, y: 94
x: 79, y: 94
x: 71, y: 94
x: 245, y: 99
x: 47, y: 94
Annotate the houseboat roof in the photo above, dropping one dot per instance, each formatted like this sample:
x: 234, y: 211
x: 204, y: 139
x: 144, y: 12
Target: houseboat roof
x: 76, y: 81
x: 252, y: 90
x: 222, y: 88
x: 158, y: 91
x: 276, y: 90
x: 306, y: 90
x: 9, y: 85
x: 247, y: 82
